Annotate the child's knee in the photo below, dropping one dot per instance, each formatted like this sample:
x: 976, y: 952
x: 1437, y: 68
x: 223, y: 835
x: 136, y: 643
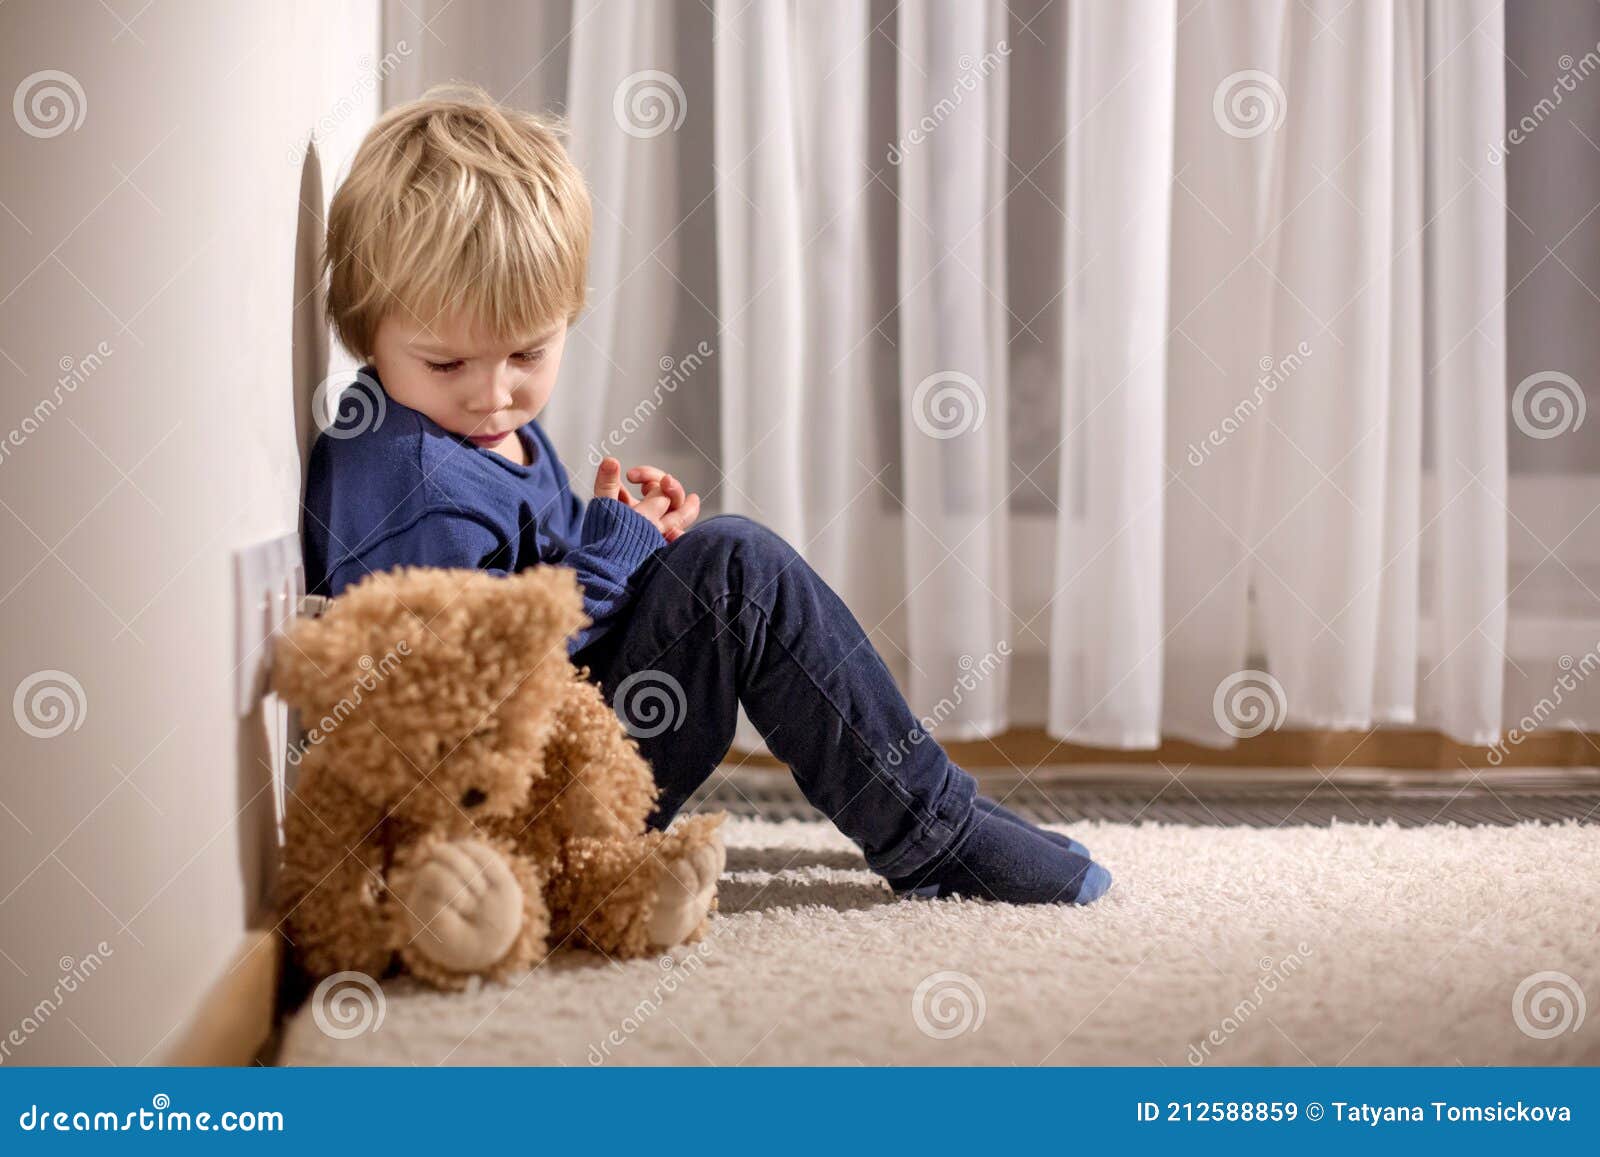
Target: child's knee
x: 733, y: 543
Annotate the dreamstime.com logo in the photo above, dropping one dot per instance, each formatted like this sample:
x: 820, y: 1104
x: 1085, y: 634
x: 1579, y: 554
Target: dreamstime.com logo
x: 369, y: 76
x: 1273, y: 375
x: 74, y: 372
x: 1249, y: 702
x: 373, y: 672
x: 967, y: 83
x: 160, y: 1117
x: 1572, y: 71
x: 674, y: 975
x: 1273, y: 974
x: 1547, y: 1004
x: 674, y: 372
x: 49, y: 703
x: 1573, y: 674
x: 328, y: 408
x: 650, y: 702
x: 649, y: 103
x: 948, y: 404
x: 1249, y: 103
x: 49, y: 103
x: 74, y: 972
x: 974, y: 672
x: 948, y: 1004
x: 348, y: 1004
x: 1548, y: 404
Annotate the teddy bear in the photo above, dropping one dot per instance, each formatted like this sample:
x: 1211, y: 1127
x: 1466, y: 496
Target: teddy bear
x: 466, y: 800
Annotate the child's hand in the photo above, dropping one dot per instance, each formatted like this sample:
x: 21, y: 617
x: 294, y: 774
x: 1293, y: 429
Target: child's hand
x: 682, y: 508
x: 664, y: 503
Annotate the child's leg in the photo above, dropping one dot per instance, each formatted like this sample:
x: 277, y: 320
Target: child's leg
x: 730, y: 613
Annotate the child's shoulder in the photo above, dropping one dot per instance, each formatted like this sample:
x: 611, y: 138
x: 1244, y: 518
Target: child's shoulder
x: 363, y: 432
x: 374, y: 441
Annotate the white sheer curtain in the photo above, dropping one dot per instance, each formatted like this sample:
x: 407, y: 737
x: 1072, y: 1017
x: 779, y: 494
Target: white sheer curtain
x: 1110, y: 359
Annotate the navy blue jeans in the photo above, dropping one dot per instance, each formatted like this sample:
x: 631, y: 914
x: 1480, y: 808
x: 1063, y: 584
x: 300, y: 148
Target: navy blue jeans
x: 730, y: 613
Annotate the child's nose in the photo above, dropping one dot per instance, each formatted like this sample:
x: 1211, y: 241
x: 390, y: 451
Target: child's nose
x: 498, y: 394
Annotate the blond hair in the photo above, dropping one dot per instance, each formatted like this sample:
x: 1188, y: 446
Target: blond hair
x: 456, y: 203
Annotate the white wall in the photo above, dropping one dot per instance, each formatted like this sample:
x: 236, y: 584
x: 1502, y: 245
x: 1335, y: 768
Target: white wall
x: 164, y: 226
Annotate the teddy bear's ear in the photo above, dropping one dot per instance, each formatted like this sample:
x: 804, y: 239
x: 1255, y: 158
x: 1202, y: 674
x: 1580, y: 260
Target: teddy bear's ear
x: 543, y: 606
x: 306, y: 658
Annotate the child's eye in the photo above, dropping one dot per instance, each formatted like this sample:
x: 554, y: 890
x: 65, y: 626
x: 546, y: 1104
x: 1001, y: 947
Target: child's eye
x: 530, y: 356
x: 444, y: 367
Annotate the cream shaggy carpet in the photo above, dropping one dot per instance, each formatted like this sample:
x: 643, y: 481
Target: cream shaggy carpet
x: 1354, y: 945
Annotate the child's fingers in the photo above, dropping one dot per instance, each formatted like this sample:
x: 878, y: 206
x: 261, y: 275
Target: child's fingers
x: 682, y: 518
x: 644, y: 473
x: 669, y: 486
x: 626, y: 498
x: 608, y: 478
x: 654, y: 507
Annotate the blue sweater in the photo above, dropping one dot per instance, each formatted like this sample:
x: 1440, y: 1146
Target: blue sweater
x: 388, y: 486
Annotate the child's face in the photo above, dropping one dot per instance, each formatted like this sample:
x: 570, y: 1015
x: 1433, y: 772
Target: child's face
x: 469, y: 385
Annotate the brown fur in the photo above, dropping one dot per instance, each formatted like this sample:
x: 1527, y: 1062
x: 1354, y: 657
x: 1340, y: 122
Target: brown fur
x: 419, y: 685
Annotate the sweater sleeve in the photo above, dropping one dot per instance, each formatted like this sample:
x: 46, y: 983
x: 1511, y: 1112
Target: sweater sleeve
x: 614, y: 542
x: 437, y: 538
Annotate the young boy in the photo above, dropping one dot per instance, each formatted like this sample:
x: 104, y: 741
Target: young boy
x: 456, y: 251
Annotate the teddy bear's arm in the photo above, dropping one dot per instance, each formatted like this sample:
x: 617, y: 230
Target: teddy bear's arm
x: 334, y: 899
x: 469, y: 906
x: 596, y: 782
x: 631, y: 895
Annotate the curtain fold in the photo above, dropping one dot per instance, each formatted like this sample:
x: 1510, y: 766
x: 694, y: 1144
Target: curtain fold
x: 1107, y: 630
x: 606, y: 38
x: 953, y: 336
x: 760, y: 265
x: 1465, y: 355
x: 1326, y: 435
x: 1135, y: 370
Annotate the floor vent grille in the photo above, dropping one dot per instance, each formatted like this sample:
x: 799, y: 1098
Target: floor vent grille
x: 772, y: 795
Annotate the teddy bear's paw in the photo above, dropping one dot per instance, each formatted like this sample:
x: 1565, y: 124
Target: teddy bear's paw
x: 686, y: 885
x: 463, y: 906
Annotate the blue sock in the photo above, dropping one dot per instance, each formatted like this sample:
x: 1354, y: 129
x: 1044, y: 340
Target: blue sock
x: 1005, y: 813
x: 992, y: 859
